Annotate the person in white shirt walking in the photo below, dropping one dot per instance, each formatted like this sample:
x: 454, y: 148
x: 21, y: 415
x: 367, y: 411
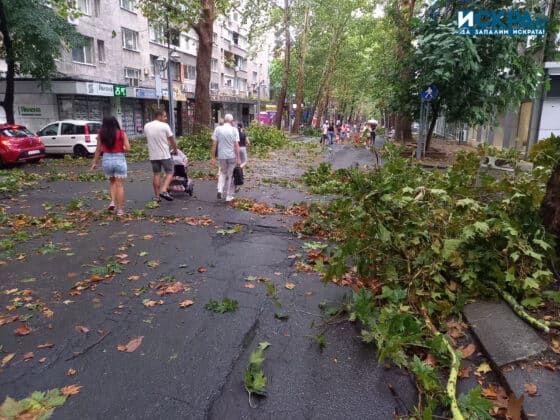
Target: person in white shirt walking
x: 225, y: 140
x: 159, y: 137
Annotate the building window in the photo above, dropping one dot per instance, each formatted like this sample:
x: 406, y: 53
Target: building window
x: 83, y: 54
x: 84, y: 6
x: 214, y: 86
x: 100, y: 51
x: 235, y: 37
x: 127, y: 4
x: 254, y: 76
x: 214, y: 38
x: 176, y: 71
x: 132, y: 76
x: 214, y: 64
x: 191, y: 71
x: 155, y: 66
x: 96, y: 8
x: 130, y: 39
x: 157, y: 34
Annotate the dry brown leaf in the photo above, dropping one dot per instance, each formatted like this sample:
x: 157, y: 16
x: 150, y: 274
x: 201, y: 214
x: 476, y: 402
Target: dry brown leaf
x: 45, y: 346
x: 71, y: 372
x: 483, y: 368
x: 249, y: 285
x: 6, y: 319
x: 467, y: 351
x: 454, y: 329
x: 555, y: 346
x: 23, y: 329
x: 71, y: 275
x: 96, y: 278
x: 430, y: 360
x: 465, y: 372
x: 48, y: 313
x: 491, y: 392
x: 133, y: 278
x: 185, y: 303
x: 6, y: 359
x: 81, y: 329
x: 148, y: 237
x: 514, y: 406
x: 201, y: 270
x: 121, y: 347
x: 134, y: 344
x: 531, y: 389
x: 289, y: 285
x: 70, y: 390
x: 121, y: 256
x: 10, y: 291
x: 546, y: 365
x: 28, y: 356
x: 277, y: 273
x: 42, y: 360
x: 171, y: 288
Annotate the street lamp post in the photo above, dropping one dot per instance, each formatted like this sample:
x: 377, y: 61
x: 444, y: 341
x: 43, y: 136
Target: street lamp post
x: 165, y: 64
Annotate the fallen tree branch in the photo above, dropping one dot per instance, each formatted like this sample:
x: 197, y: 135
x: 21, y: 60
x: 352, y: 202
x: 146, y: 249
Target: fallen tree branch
x: 520, y: 310
x: 451, y: 388
x: 84, y: 351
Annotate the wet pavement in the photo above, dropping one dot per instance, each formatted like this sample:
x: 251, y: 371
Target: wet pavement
x: 191, y: 361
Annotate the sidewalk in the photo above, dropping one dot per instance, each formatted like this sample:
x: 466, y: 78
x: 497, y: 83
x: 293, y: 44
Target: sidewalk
x: 519, y: 356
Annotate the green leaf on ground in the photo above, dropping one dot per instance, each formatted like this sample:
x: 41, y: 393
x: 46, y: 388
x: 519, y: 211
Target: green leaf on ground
x: 227, y: 305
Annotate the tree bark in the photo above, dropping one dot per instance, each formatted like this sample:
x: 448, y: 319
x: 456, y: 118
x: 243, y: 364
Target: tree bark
x: 550, y: 206
x: 435, y: 106
x: 299, y: 94
x: 285, y: 74
x: 204, y: 29
x: 8, y: 101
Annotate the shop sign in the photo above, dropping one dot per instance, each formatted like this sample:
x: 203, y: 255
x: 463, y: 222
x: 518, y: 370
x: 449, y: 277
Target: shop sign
x: 145, y: 93
x: 30, y: 111
x: 119, y: 90
x: 99, y: 89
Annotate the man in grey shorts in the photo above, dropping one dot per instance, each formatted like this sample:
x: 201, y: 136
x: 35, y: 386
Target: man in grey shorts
x: 159, y: 136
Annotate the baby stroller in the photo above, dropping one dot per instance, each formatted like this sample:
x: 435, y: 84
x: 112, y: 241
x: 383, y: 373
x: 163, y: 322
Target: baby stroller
x: 181, y: 182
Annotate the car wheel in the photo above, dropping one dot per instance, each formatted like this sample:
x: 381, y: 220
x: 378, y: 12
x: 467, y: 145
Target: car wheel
x: 80, y: 151
x: 2, y: 164
x: 34, y: 160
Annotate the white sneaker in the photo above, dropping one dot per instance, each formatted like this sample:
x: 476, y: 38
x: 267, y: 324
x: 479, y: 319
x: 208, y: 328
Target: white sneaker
x: 229, y: 198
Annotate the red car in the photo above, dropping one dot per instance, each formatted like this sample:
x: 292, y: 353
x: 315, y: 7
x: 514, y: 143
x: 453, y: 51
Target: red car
x: 18, y: 144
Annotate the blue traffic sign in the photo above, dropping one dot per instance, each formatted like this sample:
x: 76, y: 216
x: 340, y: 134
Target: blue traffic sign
x: 430, y: 93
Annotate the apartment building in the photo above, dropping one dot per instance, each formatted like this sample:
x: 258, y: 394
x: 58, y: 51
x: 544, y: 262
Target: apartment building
x: 121, y: 71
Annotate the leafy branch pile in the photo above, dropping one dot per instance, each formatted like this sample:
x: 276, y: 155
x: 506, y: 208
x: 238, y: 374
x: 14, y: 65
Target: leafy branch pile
x: 255, y: 381
x: 17, y: 180
x: 265, y: 138
x: 426, y: 242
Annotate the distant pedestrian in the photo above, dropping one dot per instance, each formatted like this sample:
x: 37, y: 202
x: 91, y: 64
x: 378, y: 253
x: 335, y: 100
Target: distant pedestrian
x: 225, y: 140
x: 113, y: 142
x: 330, y: 133
x: 325, y: 130
x: 159, y: 137
x: 243, y: 143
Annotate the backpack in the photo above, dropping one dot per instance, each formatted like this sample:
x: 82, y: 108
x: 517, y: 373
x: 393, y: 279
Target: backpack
x: 238, y: 176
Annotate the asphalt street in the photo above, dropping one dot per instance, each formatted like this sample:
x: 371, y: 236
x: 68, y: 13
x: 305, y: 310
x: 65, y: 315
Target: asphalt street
x: 191, y: 361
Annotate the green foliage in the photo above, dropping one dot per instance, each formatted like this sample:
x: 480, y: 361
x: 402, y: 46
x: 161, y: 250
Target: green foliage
x: 312, y: 132
x: 264, y: 138
x: 255, y: 381
x: 196, y: 146
x: 112, y: 267
x: 138, y: 151
x: 432, y: 239
x: 546, y: 152
x: 17, y: 180
x: 227, y: 305
x: 475, y: 405
x: 39, y: 405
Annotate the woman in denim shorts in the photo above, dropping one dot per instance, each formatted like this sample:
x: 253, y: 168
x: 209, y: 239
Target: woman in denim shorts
x: 113, y: 142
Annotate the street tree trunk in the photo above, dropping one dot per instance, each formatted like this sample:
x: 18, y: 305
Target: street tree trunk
x: 204, y: 29
x: 435, y: 107
x: 8, y: 101
x: 299, y: 94
x: 285, y: 74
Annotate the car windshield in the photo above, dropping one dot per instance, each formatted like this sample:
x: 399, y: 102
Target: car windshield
x: 16, y: 132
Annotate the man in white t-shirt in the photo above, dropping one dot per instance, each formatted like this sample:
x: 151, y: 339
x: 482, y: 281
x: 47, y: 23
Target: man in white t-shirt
x: 225, y: 140
x: 159, y: 137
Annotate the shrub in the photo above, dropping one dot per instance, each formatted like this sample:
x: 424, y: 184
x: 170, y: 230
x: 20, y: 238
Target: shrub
x: 196, y: 146
x: 264, y: 138
x: 545, y: 152
x: 312, y: 132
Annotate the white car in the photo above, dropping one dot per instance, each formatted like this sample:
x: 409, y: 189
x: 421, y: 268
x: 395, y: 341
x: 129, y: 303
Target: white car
x: 78, y: 137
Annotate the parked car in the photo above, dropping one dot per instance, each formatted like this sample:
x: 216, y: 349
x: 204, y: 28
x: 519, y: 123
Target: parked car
x: 18, y: 144
x: 78, y: 137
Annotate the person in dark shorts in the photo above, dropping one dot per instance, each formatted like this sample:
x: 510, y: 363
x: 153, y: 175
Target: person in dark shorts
x: 159, y: 136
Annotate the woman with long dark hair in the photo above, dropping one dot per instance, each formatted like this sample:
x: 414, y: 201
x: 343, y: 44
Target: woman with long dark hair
x: 113, y: 142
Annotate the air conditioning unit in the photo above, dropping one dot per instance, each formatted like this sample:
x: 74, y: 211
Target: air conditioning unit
x: 146, y: 71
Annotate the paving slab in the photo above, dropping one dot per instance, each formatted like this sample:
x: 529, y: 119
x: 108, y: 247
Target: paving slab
x: 546, y: 404
x: 503, y: 335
